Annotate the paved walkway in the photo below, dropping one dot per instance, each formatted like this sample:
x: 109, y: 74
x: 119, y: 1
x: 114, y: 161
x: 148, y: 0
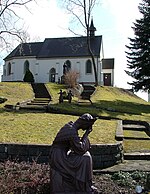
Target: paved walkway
x: 128, y: 166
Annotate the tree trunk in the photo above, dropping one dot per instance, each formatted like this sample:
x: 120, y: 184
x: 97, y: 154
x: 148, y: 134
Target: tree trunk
x: 93, y: 59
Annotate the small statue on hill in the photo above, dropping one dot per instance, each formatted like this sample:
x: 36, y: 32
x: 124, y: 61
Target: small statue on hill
x: 69, y: 96
x: 61, y: 96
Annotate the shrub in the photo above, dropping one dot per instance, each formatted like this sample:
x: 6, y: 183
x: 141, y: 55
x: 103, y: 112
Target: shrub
x: 28, y: 77
x: 71, y: 78
x: 24, y: 178
x: 130, y: 179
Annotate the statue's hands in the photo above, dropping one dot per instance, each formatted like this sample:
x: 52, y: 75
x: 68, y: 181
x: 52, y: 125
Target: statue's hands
x: 89, y: 130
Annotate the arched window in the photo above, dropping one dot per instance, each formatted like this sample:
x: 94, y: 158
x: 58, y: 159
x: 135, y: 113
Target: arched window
x: 26, y: 66
x: 88, y: 66
x: 68, y: 63
x: 9, y: 69
x: 52, y: 74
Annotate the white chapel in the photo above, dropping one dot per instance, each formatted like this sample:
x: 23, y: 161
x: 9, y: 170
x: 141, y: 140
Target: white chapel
x: 46, y: 60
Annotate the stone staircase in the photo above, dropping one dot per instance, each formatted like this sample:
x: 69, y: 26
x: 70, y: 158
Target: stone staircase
x: 41, y: 100
x: 87, y: 92
x: 139, y: 131
x: 40, y: 90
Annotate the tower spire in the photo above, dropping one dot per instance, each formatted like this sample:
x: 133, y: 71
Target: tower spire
x: 92, y: 29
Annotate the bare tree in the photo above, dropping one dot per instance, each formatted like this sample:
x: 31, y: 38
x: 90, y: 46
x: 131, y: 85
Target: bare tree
x: 71, y: 78
x: 81, y: 10
x: 10, y: 28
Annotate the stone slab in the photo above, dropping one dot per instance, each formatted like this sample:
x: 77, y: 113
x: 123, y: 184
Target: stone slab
x: 127, y: 166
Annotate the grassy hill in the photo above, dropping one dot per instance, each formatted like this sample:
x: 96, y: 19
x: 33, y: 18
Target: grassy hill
x: 41, y: 128
x: 107, y: 101
x: 15, y: 92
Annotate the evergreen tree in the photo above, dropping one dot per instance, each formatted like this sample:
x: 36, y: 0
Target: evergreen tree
x: 28, y: 77
x: 139, y: 50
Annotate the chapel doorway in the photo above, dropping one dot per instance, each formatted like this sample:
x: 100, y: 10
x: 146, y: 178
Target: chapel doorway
x: 107, y: 79
x: 52, y: 74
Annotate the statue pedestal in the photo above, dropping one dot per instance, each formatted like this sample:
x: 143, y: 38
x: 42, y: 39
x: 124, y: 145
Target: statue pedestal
x: 58, y: 185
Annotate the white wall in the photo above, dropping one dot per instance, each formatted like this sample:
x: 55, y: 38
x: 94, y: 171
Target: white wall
x: 40, y: 69
x: 17, y: 68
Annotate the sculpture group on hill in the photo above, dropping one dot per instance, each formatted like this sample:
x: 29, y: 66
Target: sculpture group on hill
x: 65, y: 96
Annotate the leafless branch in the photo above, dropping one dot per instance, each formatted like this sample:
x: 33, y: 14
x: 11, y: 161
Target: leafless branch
x: 85, y: 7
x: 74, y: 32
x: 9, y: 21
x: 11, y: 33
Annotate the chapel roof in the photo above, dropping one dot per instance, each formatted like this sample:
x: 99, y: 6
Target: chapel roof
x: 58, y: 47
x: 25, y: 49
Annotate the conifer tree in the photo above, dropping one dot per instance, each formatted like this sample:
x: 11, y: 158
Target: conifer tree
x: 28, y: 77
x: 138, y: 56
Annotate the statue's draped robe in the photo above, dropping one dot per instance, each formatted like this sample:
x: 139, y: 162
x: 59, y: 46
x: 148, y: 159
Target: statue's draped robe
x: 71, y: 163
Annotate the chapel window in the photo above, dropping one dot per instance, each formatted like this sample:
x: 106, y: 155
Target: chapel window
x: 9, y: 69
x: 88, y: 66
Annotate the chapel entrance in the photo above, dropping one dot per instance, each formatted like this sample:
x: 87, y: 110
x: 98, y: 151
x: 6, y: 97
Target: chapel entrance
x: 52, y: 74
x: 107, y: 79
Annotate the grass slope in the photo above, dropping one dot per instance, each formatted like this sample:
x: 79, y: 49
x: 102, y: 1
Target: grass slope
x: 107, y: 101
x: 15, y: 92
x: 41, y: 128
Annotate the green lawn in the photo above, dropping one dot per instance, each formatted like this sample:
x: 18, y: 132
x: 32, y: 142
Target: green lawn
x: 135, y: 134
x: 107, y: 101
x: 136, y: 145
x: 41, y: 128
x: 15, y: 92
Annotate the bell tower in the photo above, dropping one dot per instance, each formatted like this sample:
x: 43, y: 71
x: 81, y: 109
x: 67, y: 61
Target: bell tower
x: 92, y: 29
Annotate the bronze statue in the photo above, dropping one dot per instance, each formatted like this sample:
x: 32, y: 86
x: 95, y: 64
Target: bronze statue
x: 71, y: 162
x: 61, y: 96
x: 70, y: 95
x: 64, y: 68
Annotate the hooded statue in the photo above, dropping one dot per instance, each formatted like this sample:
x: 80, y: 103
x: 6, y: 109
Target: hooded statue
x: 71, y: 162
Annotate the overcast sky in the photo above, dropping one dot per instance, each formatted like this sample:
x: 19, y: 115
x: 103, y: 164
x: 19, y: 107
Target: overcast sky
x: 112, y: 18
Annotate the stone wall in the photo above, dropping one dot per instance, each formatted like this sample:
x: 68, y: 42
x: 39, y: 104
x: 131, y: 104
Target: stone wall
x: 103, y: 155
x: 106, y: 155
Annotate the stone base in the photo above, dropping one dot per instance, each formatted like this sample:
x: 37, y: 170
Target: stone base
x: 59, y: 186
